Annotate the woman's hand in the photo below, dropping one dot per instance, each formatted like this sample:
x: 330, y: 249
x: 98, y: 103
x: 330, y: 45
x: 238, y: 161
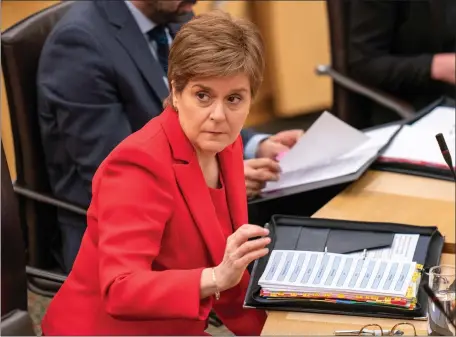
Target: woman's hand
x: 257, y: 172
x: 239, y: 252
x: 443, y: 68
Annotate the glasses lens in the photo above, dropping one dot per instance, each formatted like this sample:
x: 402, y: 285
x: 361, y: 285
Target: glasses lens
x: 403, y: 329
x: 371, y: 330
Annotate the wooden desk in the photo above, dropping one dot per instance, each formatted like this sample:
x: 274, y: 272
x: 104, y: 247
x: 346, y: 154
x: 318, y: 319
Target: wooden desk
x: 378, y: 196
x: 392, y: 197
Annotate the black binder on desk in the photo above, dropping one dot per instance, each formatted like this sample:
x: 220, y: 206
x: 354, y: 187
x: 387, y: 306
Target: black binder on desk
x: 323, y: 183
x: 427, y: 171
x: 340, y: 236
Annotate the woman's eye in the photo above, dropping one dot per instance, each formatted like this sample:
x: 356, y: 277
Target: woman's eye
x: 202, y: 96
x: 234, y: 99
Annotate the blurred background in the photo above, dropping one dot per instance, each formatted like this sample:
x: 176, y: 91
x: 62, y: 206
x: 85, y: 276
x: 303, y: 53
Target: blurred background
x: 296, y: 38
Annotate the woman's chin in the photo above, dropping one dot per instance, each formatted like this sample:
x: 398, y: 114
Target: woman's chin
x: 212, y: 147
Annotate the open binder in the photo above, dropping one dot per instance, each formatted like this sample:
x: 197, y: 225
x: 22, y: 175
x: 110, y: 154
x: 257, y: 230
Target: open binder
x: 436, y: 170
x: 348, y: 238
x: 330, y: 153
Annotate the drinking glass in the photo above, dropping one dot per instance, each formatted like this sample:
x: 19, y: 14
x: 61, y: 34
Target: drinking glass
x: 442, y: 283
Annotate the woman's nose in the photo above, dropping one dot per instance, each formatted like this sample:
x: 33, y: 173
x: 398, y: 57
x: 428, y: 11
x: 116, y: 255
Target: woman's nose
x: 218, y: 113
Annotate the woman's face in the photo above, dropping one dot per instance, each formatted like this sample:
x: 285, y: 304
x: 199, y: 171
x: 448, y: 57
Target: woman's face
x: 212, y: 111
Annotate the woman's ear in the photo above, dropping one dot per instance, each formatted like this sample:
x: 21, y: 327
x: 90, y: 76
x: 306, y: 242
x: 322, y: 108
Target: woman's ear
x: 174, y: 102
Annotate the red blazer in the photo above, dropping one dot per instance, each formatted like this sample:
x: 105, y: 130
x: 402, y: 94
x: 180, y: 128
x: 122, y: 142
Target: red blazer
x: 151, y: 231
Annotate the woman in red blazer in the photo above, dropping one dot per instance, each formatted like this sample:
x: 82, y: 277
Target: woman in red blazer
x: 167, y: 239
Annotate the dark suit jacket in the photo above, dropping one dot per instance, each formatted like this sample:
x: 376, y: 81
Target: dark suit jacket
x: 97, y: 83
x: 134, y: 274
x: 392, y: 44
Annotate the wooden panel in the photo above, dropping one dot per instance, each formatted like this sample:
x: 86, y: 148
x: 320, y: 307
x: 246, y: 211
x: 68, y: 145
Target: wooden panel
x: 297, y: 42
x: 12, y: 12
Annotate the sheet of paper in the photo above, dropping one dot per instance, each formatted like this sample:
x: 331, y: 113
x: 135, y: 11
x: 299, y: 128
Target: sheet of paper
x: 377, y: 139
x: 402, y: 249
x: 440, y: 120
x: 417, y: 142
x: 413, y: 144
x: 304, y: 271
x: 338, y: 166
x: 327, y: 138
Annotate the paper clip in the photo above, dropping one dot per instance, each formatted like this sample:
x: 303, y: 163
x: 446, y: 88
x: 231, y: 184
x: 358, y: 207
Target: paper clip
x: 364, y: 254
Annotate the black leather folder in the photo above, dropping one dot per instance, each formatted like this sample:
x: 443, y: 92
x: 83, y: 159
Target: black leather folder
x: 415, y: 169
x: 340, y: 236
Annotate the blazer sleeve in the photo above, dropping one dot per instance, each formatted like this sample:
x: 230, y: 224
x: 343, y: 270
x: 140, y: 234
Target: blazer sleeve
x: 134, y: 203
x: 371, y: 32
x: 239, y: 320
x: 77, y: 97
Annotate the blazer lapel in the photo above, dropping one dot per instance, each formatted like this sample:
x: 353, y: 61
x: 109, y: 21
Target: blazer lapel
x: 131, y: 38
x: 232, y: 167
x: 193, y: 187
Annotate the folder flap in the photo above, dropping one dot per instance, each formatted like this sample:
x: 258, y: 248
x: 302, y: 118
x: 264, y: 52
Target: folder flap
x: 347, y: 241
x: 312, y: 239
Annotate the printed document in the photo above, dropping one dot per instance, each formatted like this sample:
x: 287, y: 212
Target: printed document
x: 327, y: 138
x: 416, y: 143
x: 329, y: 149
x: 303, y: 271
x: 403, y: 249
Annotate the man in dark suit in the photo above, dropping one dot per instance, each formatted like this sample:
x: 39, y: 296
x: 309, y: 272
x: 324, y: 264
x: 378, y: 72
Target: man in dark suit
x: 406, y: 48
x: 102, y: 76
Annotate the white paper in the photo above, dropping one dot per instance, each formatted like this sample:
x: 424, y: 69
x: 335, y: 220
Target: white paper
x: 345, y: 163
x: 327, y: 138
x: 403, y: 249
x: 417, y: 142
x: 337, y: 167
x: 307, y: 272
x: 412, y: 144
x: 440, y: 120
x: 377, y: 139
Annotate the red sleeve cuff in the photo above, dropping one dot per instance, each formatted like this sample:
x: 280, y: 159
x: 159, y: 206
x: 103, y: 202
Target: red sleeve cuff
x: 200, y: 308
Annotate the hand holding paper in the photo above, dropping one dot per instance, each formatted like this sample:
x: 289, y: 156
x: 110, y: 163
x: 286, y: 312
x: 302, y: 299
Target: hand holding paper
x: 329, y: 149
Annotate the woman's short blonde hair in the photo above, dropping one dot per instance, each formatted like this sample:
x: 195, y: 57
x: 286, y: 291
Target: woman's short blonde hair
x: 215, y: 44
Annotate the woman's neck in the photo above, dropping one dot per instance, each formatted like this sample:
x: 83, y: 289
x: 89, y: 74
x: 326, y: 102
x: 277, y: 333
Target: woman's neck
x: 210, y: 168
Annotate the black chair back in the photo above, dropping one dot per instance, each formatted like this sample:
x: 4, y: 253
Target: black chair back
x: 15, y: 318
x: 21, y: 49
x: 346, y: 103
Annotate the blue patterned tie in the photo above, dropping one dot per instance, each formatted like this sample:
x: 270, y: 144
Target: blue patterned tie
x: 158, y: 34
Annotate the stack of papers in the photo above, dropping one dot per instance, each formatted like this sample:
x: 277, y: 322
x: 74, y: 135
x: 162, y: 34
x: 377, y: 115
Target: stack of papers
x: 339, y: 278
x: 329, y: 149
x: 416, y: 143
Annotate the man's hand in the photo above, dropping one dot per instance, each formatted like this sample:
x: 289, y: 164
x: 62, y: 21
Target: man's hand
x: 443, y: 68
x: 278, y: 143
x: 257, y: 172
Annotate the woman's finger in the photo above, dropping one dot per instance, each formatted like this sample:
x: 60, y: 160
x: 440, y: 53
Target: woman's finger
x: 245, y: 232
x: 248, y: 258
x: 249, y: 246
